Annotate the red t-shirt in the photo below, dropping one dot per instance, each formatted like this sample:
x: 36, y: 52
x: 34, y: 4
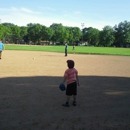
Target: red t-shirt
x: 70, y: 75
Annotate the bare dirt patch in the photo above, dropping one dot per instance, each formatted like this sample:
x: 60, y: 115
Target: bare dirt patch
x: 31, y: 100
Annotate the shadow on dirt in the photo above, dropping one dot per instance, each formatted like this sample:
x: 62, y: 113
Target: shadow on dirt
x: 28, y: 103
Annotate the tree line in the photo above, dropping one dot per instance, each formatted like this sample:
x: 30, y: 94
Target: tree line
x: 118, y: 36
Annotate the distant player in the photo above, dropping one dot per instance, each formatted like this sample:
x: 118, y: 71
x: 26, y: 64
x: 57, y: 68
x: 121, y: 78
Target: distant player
x: 66, y: 49
x: 73, y: 47
x: 1, y: 48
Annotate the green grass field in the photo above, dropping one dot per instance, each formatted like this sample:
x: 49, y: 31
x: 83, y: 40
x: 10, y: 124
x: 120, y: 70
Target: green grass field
x: 78, y: 49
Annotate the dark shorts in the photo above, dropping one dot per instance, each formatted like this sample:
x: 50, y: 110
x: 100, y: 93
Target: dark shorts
x: 71, y: 89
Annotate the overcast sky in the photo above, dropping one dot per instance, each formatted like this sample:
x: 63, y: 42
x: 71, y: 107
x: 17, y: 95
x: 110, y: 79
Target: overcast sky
x: 93, y: 13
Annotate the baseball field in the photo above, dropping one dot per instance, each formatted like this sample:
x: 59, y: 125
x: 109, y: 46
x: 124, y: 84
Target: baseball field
x: 31, y: 100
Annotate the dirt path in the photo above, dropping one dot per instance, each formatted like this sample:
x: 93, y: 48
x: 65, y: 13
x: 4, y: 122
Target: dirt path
x: 30, y: 98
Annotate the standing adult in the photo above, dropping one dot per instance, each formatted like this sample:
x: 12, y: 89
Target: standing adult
x: 66, y: 49
x: 1, y: 48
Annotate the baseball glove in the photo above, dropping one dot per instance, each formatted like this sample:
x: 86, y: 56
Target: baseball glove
x: 62, y: 87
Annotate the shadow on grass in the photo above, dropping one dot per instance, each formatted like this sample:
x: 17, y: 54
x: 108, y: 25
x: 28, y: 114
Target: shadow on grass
x: 28, y: 103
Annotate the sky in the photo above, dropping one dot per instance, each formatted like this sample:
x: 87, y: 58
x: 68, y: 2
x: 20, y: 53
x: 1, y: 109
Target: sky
x: 72, y: 13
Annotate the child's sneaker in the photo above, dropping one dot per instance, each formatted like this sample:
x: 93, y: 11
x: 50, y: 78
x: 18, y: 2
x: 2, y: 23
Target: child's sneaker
x: 65, y: 104
x: 74, y: 103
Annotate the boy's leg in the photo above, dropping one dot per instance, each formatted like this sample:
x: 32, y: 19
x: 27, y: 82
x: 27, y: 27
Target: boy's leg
x: 74, y: 93
x: 74, y: 98
x: 68, y: 99
x: 68, y: 94
x: 67, y: 102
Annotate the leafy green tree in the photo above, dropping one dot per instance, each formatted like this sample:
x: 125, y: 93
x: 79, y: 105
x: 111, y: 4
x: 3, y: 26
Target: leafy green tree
x: 72, y: 34
x: 122, y: 34
x: 15, y: 30
x: 6, y: 31
x: 59, y: 32
x: 23, y: 32
x: 63, y: 33
x: 66, y: 34
x: 91, y: 35
x: 34, y: 32
x: 76, y: 33
x: 107, y: 36
x: 2, y: 30
x: 118, y: 35
x: 69, y: 34
x: 47, y: 33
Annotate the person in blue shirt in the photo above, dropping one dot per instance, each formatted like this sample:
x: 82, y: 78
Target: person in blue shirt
x: 66, y: 49
x: 1, y: 48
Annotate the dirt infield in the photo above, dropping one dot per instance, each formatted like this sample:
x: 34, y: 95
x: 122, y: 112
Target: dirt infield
x: 31, y: 100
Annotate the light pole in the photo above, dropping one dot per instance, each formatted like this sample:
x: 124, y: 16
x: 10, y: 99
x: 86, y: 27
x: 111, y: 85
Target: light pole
x: 82, y: 25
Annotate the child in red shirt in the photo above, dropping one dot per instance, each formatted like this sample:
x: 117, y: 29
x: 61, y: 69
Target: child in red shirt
x: 71, y: 76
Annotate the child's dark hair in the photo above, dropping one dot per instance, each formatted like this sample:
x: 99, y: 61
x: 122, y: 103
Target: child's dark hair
x: 70, y: 64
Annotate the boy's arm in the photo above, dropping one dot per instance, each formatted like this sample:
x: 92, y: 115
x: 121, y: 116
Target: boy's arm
x: 64, y: 80
x: 77, y: 80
